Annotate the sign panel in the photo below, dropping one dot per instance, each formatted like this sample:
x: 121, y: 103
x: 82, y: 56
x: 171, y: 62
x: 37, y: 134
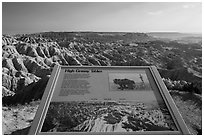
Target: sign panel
x: 107, y: 100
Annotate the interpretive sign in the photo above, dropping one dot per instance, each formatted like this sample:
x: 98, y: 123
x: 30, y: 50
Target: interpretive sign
x: 107, y: 100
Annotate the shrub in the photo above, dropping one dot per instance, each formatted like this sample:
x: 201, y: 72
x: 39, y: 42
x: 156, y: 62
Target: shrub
x: 192, y: 87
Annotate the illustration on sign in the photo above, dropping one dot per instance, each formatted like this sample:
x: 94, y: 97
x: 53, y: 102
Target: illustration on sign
x: 128, y: 81
x: 106, y: 117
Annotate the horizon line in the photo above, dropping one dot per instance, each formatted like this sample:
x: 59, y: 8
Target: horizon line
x: 88, y: 31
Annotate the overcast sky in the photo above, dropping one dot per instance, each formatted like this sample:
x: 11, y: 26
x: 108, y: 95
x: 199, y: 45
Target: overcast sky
x: 132, y: 17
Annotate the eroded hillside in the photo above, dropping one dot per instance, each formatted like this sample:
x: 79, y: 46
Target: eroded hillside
x: 28, y: 60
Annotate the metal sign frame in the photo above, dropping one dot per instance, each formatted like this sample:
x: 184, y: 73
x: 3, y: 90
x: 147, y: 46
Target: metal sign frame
x: 43, y: 107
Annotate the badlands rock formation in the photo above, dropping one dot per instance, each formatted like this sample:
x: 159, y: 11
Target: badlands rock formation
x: 26, y: 59
x: 27, y: 62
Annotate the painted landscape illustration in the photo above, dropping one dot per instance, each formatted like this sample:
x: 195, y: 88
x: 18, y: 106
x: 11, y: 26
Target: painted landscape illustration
x: 98, y: 116
x: 128, y: 81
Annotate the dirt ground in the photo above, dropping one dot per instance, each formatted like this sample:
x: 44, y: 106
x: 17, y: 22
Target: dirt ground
x: 17, y: 119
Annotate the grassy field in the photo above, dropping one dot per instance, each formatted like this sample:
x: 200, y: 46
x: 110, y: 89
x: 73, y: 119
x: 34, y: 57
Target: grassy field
x: 190, y: 107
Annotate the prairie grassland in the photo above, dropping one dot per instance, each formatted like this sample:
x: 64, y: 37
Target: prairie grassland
x: 190, y: 107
